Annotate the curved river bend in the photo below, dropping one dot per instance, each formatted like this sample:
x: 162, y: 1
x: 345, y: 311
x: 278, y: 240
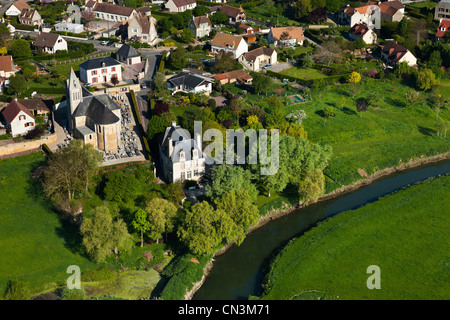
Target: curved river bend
x: 239, y: 272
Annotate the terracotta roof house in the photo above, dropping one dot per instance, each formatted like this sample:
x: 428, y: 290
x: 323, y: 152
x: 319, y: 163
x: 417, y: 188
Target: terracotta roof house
x: 36, y: 106
x: 254, y: 60
x: 144, y: 11
x: 367, y: 14
x: 442, y: 10
x: 16, y: 8
x: 50, y: 42
x: 30, y: 17
x: 235, y: 15
x: 143, y: 27
x: 239, y: 76
x: 287, y: 36
x: 190, y: 83
x: 180, y: 5
x: 361, y: 31
x: 19, y: 119
x: 7, y: 67
x: 392, y: 11
x: 229, y: 43
x: 200, y: 26
x: 393, y: 53
x: 111, y: 12
x: 444, y: 26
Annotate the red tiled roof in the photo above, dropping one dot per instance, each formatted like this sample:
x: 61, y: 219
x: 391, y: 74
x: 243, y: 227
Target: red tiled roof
x: 444, y: 24
x: 359, y: 30
x: 13, y: 109
x: 6, y: 63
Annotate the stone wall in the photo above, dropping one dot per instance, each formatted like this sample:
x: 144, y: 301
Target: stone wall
x: 27, y: 145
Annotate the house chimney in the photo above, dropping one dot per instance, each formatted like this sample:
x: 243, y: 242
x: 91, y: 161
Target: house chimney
x: 174, y: 123
x: 170, y: 146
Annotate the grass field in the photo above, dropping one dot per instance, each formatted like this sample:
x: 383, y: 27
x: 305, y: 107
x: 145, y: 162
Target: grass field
x: 405, y: 234
x: 36, y: 247
x: 378, y: 139
x: 303, y: 73
x: 130, y: 285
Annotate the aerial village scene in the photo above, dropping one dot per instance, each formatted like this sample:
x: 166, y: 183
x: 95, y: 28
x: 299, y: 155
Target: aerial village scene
x: 224, y: 150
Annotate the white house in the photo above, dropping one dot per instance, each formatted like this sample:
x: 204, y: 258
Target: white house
x: 254, y: 60
x: 392, y: 53
x: 181, y: 157
x: 19, y: 119
x: 370, y: 15
x: 111, y: 12
x: 180, y: 5
x: 442, y: 10
x: 144, y: 28
x: 287, y: 36
x: 50, y: 42
x: 229, y: 43
x: 100, y: 70
x: 69, y: 27
x: 190, y: 83
x: 200, y: 26
x: 361, y: 31
x: 16, y: 8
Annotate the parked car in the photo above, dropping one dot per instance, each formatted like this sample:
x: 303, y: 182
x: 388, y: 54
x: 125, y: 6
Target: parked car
x: 267, y: 66
x: 88, y: 84
x: 104, y: 43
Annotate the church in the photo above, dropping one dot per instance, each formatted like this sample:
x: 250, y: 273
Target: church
x: 95, y: 119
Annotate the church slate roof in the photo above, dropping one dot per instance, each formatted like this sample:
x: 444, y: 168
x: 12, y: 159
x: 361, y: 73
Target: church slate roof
x: 98, y: 108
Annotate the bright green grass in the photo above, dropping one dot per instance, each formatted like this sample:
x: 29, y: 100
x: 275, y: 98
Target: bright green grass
x: 305, y: 74
x: 130, y: 285
x: 405, y: 234
x: 379, y: 139
x: 35, y: 245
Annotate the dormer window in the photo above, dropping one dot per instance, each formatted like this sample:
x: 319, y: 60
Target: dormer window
x: 195, y: 154
x: 182, y: 157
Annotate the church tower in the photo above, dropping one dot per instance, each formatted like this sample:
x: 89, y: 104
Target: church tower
x: 74, y: 96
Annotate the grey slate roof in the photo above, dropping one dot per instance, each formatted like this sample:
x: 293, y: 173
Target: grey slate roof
x: 98, y: 108
x: 127, y: 51
x: 181, y: 140
x: 189, y: 80
x: 98, y: 63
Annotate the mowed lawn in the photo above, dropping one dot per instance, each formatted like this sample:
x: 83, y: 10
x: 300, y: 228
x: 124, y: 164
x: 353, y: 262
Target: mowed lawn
x: 405, y: 234
x: 303, y: 73
x: 36, y: 247
x: 382, y: 137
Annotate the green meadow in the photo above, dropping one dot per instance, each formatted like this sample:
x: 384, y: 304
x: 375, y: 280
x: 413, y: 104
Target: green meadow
x: 36, y: 246
x: 378, y: 138
x: 405, y: 234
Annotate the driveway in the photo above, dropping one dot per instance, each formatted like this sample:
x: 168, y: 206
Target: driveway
x: 278, y: 67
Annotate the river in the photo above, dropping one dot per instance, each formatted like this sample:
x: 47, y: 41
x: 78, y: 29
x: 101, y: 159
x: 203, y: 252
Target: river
x: 239, y: 272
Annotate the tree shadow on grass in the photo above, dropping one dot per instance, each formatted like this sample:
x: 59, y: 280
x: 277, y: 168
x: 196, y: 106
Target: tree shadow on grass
x: 348, y: 111
x: 395, y: 102
x: 69, y: 232
x: 426, y: 131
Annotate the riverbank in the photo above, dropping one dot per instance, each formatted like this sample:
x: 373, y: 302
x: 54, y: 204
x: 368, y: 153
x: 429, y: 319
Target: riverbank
x: 287, y: 209
x: 404, y: 234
